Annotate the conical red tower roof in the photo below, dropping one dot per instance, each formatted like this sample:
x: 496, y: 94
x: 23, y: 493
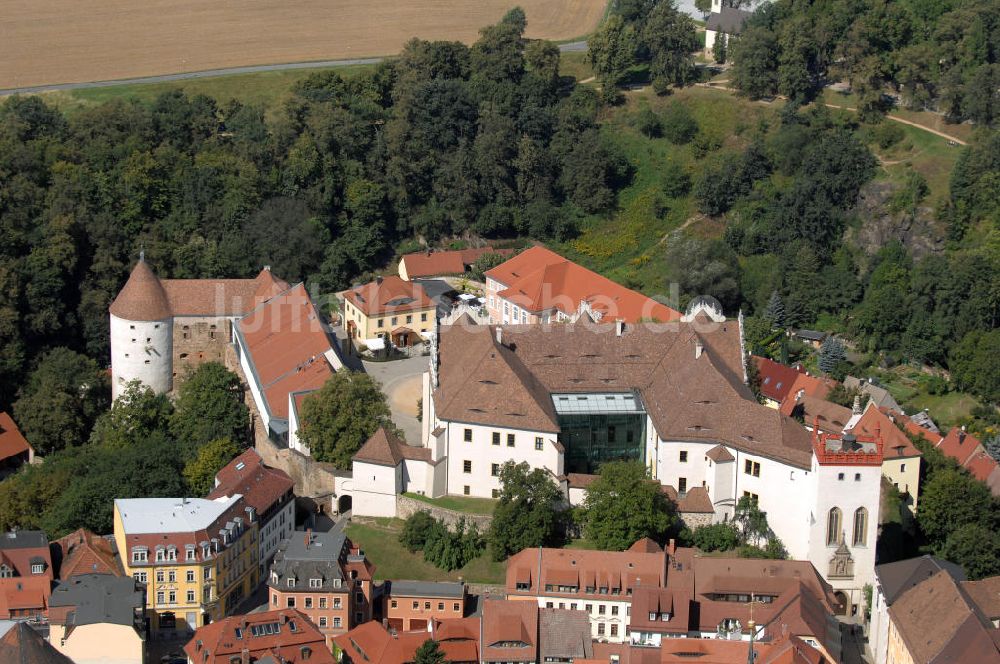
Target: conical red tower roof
x: 143, y: 297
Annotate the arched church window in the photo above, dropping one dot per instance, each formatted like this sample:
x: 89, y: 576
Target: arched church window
x: 834, y: 521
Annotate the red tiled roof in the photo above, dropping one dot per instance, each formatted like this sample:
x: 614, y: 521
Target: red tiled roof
x: 596, y: 569
x: 146, y: 297
x: 237, y: 508
x: 508, y: 622
x: 220, y: 640
x: 775, y: 379
x: 373, y: 644
x: 541, y: 280
x: 388, y: 295
x: 809, y: 386
x: 895, y: 443
x: 20, y: 593
x: 386, y: 449
x: 911, y: 427
x: 982, y: 466
x: 720, y: 454
x: 260, y: 485
x: 83, y: 552
x: 287, y: 342
x: 19, y: 549
x: 12, y: 443
x: 646, y: 545
x: 438, y: 263
x: 960, y: 445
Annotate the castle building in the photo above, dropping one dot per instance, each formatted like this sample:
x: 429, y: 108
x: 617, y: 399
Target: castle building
x: 568, y: 397
x: 161, y: 326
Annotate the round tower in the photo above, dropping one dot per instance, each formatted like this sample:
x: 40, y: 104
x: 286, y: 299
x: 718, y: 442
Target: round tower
x: 141, y: 333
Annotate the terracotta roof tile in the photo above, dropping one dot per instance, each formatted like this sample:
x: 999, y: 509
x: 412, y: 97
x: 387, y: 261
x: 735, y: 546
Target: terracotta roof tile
x: 146, y: 297
x: 809, y: 386
x: 960, y: 445
x: 696, y: 500
x: 12, y: 443
x: 289, y: 347
x: 895, y: 443
x: 508, y: 622
x: 388, y: 295
x: 985, y: 594
x: 646, y: 545
x: 221, y: 640
x: 540, y: 280
x: 439, y: 263
x: 261, y: 486
x: 775, y: 379
x: 84, y: 552
x: 720, y: 454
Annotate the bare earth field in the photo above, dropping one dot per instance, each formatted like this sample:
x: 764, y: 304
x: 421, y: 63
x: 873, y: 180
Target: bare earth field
x: 70, y: 41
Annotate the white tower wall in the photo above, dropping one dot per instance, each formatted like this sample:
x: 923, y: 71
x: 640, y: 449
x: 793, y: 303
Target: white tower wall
x: 141, y: 350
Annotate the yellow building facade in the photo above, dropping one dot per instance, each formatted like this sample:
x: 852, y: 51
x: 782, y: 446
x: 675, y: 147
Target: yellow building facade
x: 197, y: 557
x: 389, y: 306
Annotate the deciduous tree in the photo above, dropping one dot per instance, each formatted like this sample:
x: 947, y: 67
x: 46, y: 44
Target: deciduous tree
x: 528, y: 513
x: 624, y: 505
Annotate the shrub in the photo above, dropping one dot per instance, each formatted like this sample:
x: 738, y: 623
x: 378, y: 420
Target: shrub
x: 716, y: 537
x: 676, y: 181
x: 648, y: 123
x: 679, y: 126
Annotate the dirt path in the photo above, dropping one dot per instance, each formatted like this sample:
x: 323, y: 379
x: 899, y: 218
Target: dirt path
x: 895, y: 118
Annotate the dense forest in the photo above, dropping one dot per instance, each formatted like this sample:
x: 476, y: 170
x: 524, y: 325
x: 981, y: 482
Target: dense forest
x: 445, y: 139
x: 942, y: 55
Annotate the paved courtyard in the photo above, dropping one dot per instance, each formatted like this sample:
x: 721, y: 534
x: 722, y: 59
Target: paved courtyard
x: 402, y: 383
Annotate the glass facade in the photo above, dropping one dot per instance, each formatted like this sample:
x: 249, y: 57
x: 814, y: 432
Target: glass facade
x: 595, y: 428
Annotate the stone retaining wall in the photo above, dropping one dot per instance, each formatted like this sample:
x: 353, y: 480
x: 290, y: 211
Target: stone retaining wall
x: 406, y: 507
x: 696, y: 519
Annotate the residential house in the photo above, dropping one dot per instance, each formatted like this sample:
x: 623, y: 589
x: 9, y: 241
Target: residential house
x: 198, y: 558
x: 891, y: 581
x: 971, y: 454
x: 284, y: 346
x: 509, y: 632
x: 567, y: 397
x: 324, y: 576
x: 21, y: 644
x: 15, y: 451
x: 83, y: 552
x: 806, y: 385
x: 646, y: 597
x: 870, y: 391
x: 389, y: 306
x: 812, y: 338
x: 938, y: 620
x: 26, y: 574
x: 285, y: 636
x: 783, y: 650
x: 776, y: 379
x: 563, y: 636
x: 901, y: 458
x: 540, y: 286
x: 723, y: 23
x: 414, y: 605
x: 386, y: 467
x: 817, y: 414
x: 161, y: 327
x: 268, y: 491
x: 423, y: 264
x: 99, y: 619
x: 372, y: 643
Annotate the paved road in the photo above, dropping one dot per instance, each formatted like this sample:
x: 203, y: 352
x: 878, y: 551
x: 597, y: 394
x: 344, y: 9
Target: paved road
x: 401, y: 383
x: 209, y: 73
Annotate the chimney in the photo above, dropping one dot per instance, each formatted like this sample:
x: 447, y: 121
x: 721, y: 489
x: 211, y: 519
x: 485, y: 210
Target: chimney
x: 671, y: 547
x: 267, y: 268
x: 378, y: 280
x: 308, y: 536
x: 961, y: 435
x: 499, y: 334
x: 801, y: 393
x: 619, y: 327
x: 699, y: 348
x: 857, y: 405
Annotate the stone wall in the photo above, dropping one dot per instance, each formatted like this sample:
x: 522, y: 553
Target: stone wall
x: 198, y: 340
x: 696, y: 519
x: 406, y: 507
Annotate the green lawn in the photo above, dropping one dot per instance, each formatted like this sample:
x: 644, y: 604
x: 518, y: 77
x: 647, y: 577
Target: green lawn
x: 380, y: 542
x: 267, y: 89
x: 575, y: 64
x: 946, y: 410
x: 458, y: 503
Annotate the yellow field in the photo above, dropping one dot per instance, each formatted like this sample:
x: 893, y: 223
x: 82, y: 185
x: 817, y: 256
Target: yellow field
x: 67, y: 41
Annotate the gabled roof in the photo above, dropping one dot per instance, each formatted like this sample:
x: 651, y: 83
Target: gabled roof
x: 690, y: 395
x: 24, y: 593
x: 830, y: 417
x: 23, y: 645
x: 730, y: 21
x: 960, y: 445
x: 145, y: 297
x: 84, y: 552
x: 439, y: 263
x: 895, y: 443
x: 720, y: 454
x: 20, y: 548
x: 540, y: 280
x: 563, y: 635
x: 90, y: 599
x: 232, y: 635
x: 260, y: 485
x: 898, y: 577
x: 388, y: 295
x: 985, y: 594
x: 939, y: 623
x: 289, y: 348
x: 646, y: 545
x: 775, y: 379
x: 384, y: 448
x: 809, y: 386
x: 510, y: 631
x: 12, y: 443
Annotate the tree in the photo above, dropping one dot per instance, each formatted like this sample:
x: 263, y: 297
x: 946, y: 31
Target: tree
x: 429, y: 653
x: 976, y: 548
x: 975, y: 363
x: 774, y: 313
x: 679, y: 125
x: 716, y: 537
x: 136, y: 414
x: 484, y: 263
x: 527, y: 513
x: 624, y: 505
x: 751, y: 523
x: 61, y: 400
x: 831, y: 353
x: 210, y: 406
x: 413, y: 536
x: 952, y: 499
x: 338, y: 418
x: 670, y: 38
x: 719, y: 48
x: 213, y: 456
x: 612, y: 51
x: 754, y: 57
x: 703, y: 267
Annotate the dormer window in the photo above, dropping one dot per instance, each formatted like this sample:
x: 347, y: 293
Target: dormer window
x: 315, y: 583
x: 291, y: 583
x: 140, y: 555
x: 6, y: 572
x: 38, y: 568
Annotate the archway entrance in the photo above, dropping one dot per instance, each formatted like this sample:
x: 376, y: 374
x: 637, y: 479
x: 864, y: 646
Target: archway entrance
x: 344, y: 504
x: 843, y: 604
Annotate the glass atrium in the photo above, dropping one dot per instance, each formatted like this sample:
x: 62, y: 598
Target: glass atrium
x: 595, y: 428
